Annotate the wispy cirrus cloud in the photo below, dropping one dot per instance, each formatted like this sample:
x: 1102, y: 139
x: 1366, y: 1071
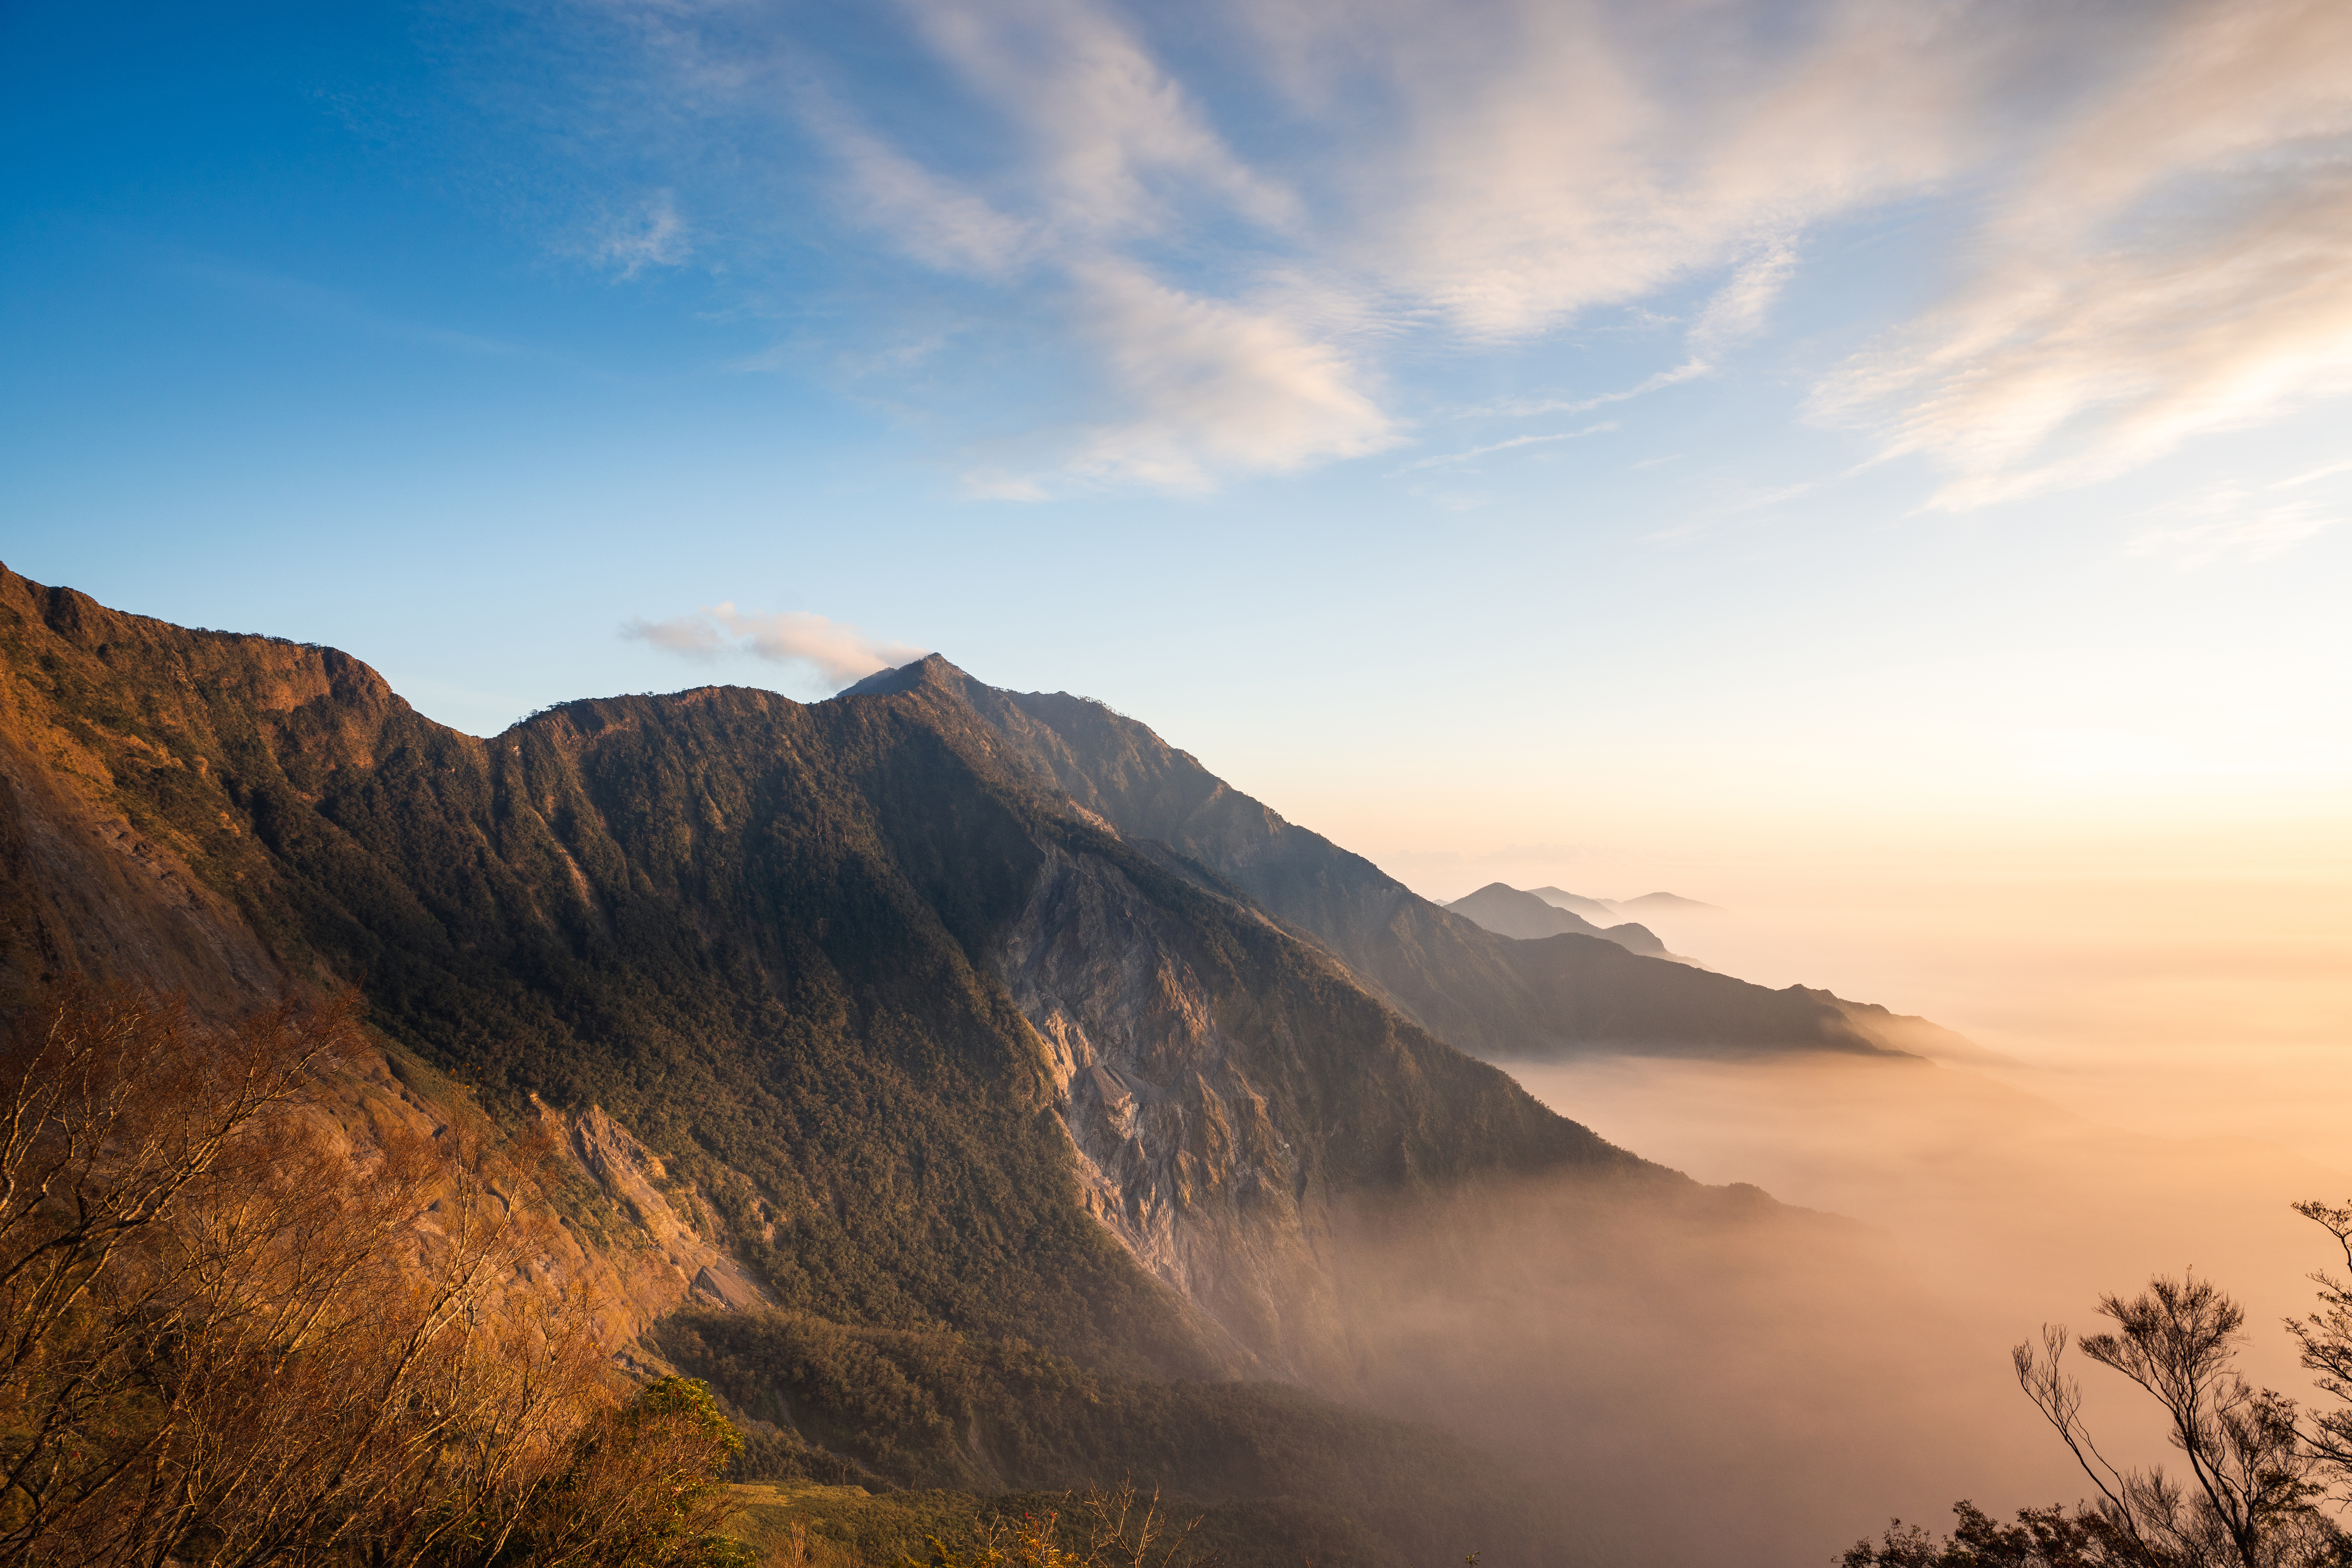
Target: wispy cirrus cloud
x: 2225, y: 521
x: 1210, y: 387
x: 2233, y: 526
x: 1214, y: 246
x: 833, y: 651
x: 1513, y: 444
x: 2177, y: 263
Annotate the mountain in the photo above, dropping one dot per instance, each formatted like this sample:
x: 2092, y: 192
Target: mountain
x: 1609, y: 908
x: 722, y: 915
x: 977, y: 1092
x: 1666, y: 904
x: 1576, y: 904
x: 905, y: 1065
x: 1507, y: 911
x: 1495, y: 998
x: 1914, y: 1035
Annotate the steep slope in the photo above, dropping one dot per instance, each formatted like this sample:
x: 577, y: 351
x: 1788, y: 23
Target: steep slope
x: 95, y: 881
x: 914, y: 1043
x: 1507, y: 911
x: 1497, y: 998
x: 974, y: 1131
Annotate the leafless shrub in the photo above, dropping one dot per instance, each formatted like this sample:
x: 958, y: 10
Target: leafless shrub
x: 230, y: 1340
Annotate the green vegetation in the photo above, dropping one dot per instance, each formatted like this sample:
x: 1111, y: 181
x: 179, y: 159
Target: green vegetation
x: 801, y: 1525
x: 939, y: 1409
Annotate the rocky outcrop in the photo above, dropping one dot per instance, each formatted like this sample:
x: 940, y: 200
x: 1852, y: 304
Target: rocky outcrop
x: 674, y: 1247
x: 1184, y: 1160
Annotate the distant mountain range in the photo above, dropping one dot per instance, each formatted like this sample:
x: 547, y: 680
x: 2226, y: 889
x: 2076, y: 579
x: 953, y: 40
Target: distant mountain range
x: 1507, y: 911
x: 1609, y: 908
x: 934, y: 1049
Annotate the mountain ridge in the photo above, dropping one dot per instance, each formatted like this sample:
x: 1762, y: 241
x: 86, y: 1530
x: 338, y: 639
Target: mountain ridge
x: 1495, y: 997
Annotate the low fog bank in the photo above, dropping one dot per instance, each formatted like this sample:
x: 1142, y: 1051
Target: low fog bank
x: 1700, y: 1377
x: 2183, y: 1006
x: 1710, y: 1378
x: 2164, y: 1070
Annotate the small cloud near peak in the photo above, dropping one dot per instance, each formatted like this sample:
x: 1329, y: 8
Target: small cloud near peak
x: 836, y: 653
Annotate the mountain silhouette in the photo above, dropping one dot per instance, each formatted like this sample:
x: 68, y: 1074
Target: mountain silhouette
x: 1507, y: 911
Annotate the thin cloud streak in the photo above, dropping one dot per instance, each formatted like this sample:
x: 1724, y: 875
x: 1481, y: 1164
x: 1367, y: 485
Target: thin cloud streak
x: 655, y: 237
x: 1515, y: 441
x: 1214, y: 387
x: 2228, y: 523
x: 836, y: 653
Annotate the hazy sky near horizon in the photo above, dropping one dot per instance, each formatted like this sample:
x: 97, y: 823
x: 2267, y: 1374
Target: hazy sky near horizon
x: 1617, y: 445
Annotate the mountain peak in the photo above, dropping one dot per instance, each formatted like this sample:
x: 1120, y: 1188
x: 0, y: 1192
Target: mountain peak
x: 929, y: 671
x: 1674, y: 901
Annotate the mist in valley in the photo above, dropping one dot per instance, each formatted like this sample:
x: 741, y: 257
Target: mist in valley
x: 1708, y: 1378
x: 1693, y: 1378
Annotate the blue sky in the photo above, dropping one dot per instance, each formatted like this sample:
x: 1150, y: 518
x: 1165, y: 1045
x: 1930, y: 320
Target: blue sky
x: 1527, y: 437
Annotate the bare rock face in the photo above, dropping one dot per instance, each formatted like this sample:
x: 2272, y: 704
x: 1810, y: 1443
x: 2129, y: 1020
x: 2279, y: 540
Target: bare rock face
x: 1181, y: 1160
x: 722, y: 1283
x: 671, y: 1249
x: 639, y: 1255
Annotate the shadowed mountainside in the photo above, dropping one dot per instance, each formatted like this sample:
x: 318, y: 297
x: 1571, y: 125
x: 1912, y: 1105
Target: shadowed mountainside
x: 1595, y: 910
x: 1495, y: 998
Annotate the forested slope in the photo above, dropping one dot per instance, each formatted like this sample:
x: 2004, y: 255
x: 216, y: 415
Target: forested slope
x: 926, y: 1046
